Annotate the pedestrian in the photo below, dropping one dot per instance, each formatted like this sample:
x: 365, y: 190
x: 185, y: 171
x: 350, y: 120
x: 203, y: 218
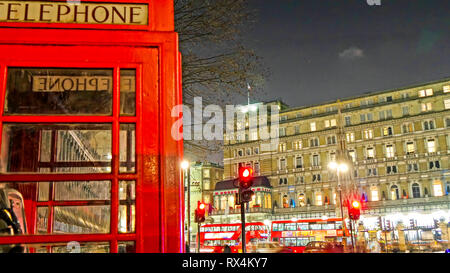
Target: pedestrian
x: 227, y: 249
x: 187, y: 248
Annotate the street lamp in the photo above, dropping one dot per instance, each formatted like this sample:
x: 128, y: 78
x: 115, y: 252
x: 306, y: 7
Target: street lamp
x: 185, y: 167
x: 340, y: 168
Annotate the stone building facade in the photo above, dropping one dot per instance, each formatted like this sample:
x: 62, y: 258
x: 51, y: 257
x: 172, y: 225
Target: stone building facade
x: 398, y: 140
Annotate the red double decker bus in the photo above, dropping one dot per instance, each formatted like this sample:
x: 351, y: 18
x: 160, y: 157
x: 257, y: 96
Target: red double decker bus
x: 297, y: 234
x: 214, y: 237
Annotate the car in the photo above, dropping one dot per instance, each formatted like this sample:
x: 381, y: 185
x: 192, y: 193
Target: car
x: 323, y: 247
x: 269, y: 247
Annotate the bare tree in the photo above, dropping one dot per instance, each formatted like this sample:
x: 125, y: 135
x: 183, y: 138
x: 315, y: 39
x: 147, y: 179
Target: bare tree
x: 216, y: 64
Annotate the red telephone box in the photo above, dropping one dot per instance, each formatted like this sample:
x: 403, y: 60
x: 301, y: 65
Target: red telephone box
x: 87, y: 90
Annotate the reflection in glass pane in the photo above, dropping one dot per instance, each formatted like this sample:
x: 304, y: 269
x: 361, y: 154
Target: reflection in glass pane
x: 66, y: 91
x: 80, y: 148
x: 72, y: 247
x: 44, y: 190
x: 127, y: 92
x: 82, y: 219
x: 82, y: 190
x: 127, y: 208
x: 127, y: 247
x: 42, y: 219
x: 90, y: 247
x: 127, y: 148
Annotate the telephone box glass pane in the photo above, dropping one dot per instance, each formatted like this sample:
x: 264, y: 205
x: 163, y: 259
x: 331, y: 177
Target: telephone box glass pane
x: 59, y: 91
x: 78, y: 206
x: 73, y: 148
x: 127, y: 148
x: 127, y: 92
x: 69, y: 247
x: 127, y: 247
x: 127, y: 208
x: 81, y: 219
x: 82, y: 190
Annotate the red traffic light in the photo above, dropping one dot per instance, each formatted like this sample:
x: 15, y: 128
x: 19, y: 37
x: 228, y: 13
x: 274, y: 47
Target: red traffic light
x: 201, y: 206
x: 245, y: 173
x: 356, y: 204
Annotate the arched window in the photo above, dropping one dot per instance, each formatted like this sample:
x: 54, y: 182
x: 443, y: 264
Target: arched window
x: 394, y: 193
x: 301, y: 200
x: 416, y: 190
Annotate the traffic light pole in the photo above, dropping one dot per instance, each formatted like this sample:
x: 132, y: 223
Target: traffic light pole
x: 198, y: 233
x: 351, y: 234
x: 244, y: 246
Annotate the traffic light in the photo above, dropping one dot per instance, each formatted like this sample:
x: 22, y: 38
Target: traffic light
x: 200, y: 212
x: 245, y: 184
x: 436, y: 223
x: 388, y: 224
x: 354, y: 210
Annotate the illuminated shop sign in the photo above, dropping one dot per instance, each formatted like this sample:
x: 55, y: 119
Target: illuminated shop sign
x: 73, y: 13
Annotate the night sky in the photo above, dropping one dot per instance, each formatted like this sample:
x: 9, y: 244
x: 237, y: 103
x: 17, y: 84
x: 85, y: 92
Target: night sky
x: 322, y: 50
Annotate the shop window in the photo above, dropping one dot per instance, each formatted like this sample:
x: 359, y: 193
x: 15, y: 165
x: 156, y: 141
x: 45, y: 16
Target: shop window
x: 437, y: 188
x: 395, y: 193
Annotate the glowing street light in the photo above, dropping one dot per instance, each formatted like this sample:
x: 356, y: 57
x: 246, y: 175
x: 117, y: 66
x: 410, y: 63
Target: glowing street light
x: 185, y: 164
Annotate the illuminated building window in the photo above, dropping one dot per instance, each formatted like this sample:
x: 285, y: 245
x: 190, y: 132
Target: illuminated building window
x: 370, y: 153
x: 389, y: 151
x: 426, y: 93
x: 437, y: 188
x: 374, y: 194
x: 299, y: 162
x: 427, y: 106
x: 352, y: 155
x: 282, y: 147
x: 431, y: 146
x: 297, y: 145
x: 446, y: 88
x: 319, y: 199
x: 388, y: 131
x: 368, y: 134
x: 350, y: 137
x: 394, y: 193
x: 315, y: 161
x: 447, y: 104
x: 313, y: 126
x: 410, y: 148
